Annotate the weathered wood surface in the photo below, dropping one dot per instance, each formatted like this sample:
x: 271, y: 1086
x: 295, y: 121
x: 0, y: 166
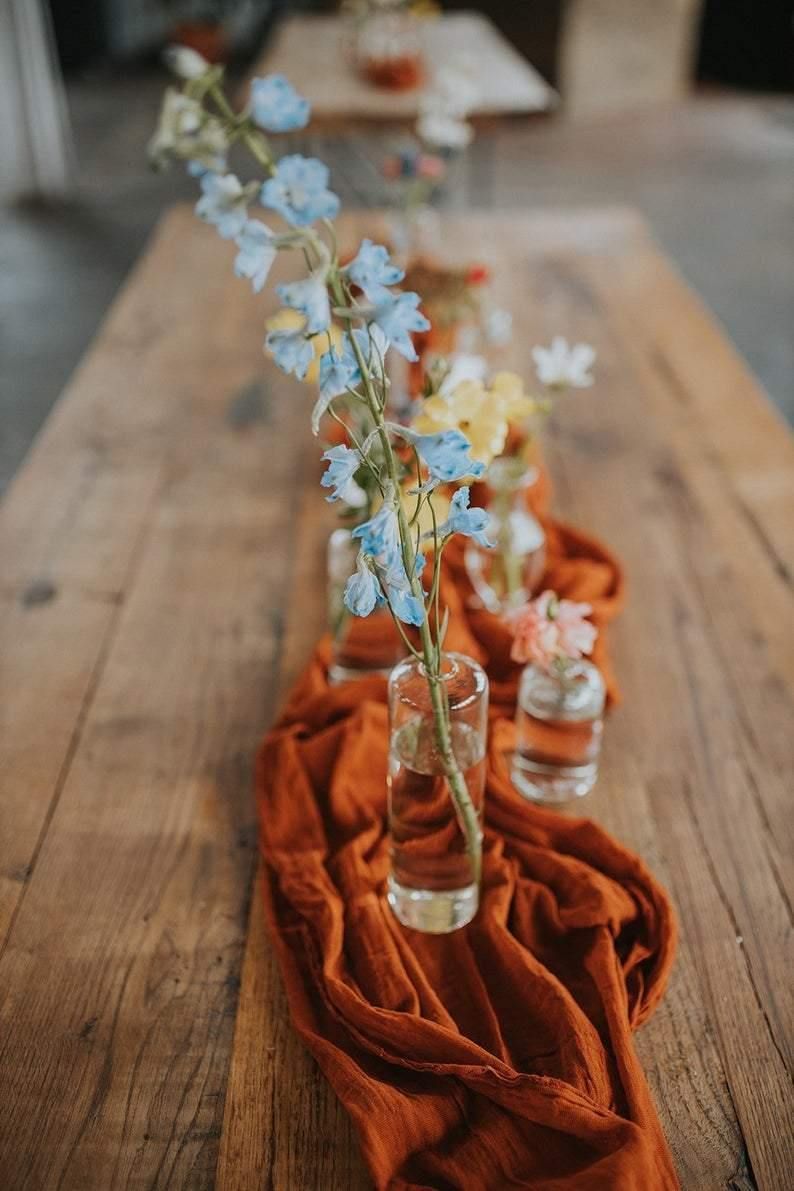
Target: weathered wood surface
x: 314, y: 53
x: 162, y: 583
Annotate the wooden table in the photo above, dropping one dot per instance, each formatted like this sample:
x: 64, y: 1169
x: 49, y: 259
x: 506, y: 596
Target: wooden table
x: 312, y: 52
x: 162, y: 583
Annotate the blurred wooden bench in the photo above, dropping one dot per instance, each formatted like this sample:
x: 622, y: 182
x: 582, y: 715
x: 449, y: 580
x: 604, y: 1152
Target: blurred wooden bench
x: 162, y: 584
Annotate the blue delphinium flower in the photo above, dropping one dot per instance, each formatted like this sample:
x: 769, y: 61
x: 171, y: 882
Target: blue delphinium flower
x: 372, y: 271
x: 339, y: 370
x: 404, y: 604
x: 472, y: 523
x: 397, y: 315
x: 362, y: 590
x: 256, y: 254
x: 343, y: 463
x: 291, y: 350
x: 445, y: 454
x: 298, y: 190
x: 223, y: 203
x: 380, y: 536
x: 406, y: 607
x: 310, y: 297
x: 380, y: 541
x: 276, y: 106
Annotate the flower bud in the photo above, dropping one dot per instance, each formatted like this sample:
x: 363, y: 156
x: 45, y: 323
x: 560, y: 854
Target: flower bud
x: 185, y: 63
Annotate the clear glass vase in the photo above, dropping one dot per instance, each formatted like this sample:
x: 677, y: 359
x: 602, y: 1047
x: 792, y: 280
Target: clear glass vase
x: 507, y: 576
x: 387, y: 47
x: 559, y: 724
x: 361, y: 646
x: 433, y: 883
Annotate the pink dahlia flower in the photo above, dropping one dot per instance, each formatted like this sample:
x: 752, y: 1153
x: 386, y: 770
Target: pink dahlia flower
x: 549, y: 629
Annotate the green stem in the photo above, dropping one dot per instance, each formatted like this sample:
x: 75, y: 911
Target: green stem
x: 464, y: 807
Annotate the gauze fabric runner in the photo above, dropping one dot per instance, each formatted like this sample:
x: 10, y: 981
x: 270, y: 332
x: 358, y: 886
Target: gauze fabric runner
x: 499, y: 1056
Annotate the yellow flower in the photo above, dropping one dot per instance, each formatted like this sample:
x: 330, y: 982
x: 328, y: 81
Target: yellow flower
x: 483, y: 414
x: 291, y: 320
x: 509, y: 388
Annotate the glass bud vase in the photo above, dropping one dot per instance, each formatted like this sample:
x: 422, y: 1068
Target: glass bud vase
x: 433, y: 885
x: 559, y: 724
x: 388, y: 48
x: 360, y: 646
x: 507, y: 576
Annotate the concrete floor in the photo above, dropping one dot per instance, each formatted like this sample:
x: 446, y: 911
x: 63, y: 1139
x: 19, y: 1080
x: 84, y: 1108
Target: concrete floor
x: 713, y: 175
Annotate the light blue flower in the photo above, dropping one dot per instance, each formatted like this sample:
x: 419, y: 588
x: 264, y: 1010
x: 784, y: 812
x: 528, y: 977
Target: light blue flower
x: 372, y: 270
x: 380, y: 541
x: 256, y: 254
x: 276, y: 106
x: 298, y: 190
x: 372, y: 345
x: 310, y: 297
x: 291, y: 350
x: 339, y: 370
x: 380, y: 536
x: 472, y: 523
x: 445, y: 455
x: 223, y: 204
x: 337, y: 373
x: 343, y: 463
x: 362, y: 590
x: 398, y: 315
x: 405, y: 605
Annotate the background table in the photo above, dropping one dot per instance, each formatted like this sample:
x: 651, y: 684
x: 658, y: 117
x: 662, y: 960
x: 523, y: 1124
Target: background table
x: 163, y: 581
x: 312, y: 52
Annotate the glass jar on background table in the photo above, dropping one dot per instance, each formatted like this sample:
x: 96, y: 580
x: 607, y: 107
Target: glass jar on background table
x: 387, y: 45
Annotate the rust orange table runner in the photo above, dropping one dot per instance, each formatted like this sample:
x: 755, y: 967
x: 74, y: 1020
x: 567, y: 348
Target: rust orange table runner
x: 499, y: 1056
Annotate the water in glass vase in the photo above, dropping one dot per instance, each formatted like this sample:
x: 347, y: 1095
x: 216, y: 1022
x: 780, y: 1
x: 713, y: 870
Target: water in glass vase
x: 431, y: 886
x: 559, y: 724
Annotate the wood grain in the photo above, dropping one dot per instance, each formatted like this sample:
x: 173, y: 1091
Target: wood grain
x: 162, y: 585
x: 148, y: 563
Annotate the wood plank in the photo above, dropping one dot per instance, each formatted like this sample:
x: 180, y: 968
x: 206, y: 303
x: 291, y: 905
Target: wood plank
x: 696, y: 760
x: 703, y: 766
x: 68, y: 550
x: 283, y: 1125
x: 151, y: 667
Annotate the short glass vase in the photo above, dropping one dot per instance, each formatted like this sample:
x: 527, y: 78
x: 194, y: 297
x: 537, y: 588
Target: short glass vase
x: 361, y: 646
x: 432, y: 885
x: 388, y: 48
x: 508, y: 575
x: 559, y: 725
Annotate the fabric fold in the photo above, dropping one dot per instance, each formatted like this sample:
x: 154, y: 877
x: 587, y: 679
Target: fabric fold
x: 499, y: 1056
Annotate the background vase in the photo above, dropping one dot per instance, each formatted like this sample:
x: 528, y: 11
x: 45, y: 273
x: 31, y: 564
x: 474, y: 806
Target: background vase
x: 387, y: 48
x: 507, y: 576
x: 559, y: 725
x: 432, y: 886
